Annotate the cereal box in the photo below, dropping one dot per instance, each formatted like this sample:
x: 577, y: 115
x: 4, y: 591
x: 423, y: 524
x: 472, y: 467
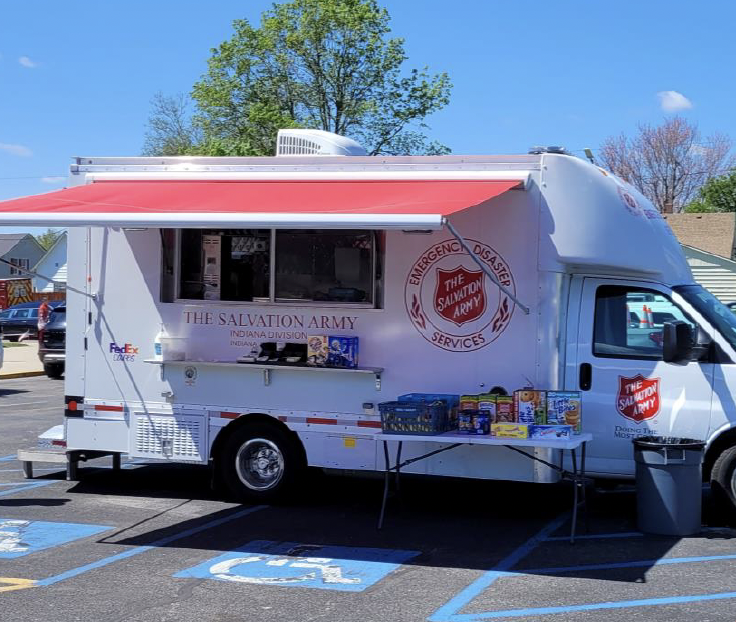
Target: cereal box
x: 468, y: 402
x: 565, y: 408
x: 509, y: 430
x: 487, y: 402
x: 342, y: 351
x: 530, y: 406
x: 465, y: 421
x: 550, y: 432
x: 317, y: 350
x: 504, y: 409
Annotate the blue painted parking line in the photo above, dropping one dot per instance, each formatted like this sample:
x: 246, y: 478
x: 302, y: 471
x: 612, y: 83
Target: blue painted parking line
x: 142, y: 549
x: 290, y: 564
x: 23, y: 537
x: 450, y: 611
x: 16, y: 487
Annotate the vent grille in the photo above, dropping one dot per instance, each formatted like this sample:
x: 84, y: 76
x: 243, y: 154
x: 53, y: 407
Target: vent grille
x: 171, y: 438
x: 296, y: 145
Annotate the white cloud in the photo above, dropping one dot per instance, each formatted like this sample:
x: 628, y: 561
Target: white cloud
x: 672, y: 101
x: 27, y: 62
x: 53, y: 180
x: 16, y: 150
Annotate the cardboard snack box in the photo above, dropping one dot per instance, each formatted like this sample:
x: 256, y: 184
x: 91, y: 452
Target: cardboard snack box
x: 487, y: 402
x: 550, y: 432
x: 504, y: 409
x: 317, y: 348
x: 509, y: 430
x: 565, y: 408
x: 468, y: 402
x: 530, y: 406
x: 342, y: 351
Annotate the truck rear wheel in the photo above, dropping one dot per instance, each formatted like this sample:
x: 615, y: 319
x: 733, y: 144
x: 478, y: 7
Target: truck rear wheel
x: 261, y: 463
x: 723, y: 481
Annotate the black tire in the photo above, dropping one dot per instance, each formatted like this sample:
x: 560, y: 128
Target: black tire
x: 723, y: 482
x: 260, y: 463
x: 12, y: 339
x: 54, y: 371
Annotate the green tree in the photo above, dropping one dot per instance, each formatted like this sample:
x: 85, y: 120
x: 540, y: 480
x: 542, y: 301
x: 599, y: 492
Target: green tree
x: 716, y: 195
x: 47, y: 240
x: 321, y: 64
x: 170, y: 129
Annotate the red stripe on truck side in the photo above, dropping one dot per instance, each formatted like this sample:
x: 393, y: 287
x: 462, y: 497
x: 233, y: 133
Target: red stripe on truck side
x: 369, y: 424
x: 321, y: 420
x: 109, y: 408
x: 225, y: 415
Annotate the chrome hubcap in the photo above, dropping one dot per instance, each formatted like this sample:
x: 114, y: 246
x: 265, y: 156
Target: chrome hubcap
x: 259, y: 464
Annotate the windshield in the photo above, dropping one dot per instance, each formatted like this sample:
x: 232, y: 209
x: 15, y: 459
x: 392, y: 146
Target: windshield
x: 712, y: 309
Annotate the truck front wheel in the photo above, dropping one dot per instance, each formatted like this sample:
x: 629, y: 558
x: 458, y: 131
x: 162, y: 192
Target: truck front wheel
x: 723, y: 481
x: 261, y: 463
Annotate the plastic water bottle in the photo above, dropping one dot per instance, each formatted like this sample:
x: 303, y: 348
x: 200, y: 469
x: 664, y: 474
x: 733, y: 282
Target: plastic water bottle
x: 158, y: 351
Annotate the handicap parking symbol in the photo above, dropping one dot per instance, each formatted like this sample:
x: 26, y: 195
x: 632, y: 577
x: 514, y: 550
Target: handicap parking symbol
x: 261, y: 562
x: 22, y: 537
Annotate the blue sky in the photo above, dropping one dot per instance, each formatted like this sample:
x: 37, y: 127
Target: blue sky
x: 77, y: 79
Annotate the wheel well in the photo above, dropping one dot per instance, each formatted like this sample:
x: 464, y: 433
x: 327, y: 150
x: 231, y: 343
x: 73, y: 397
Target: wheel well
x: 722, y: 442
x: 249, y: 419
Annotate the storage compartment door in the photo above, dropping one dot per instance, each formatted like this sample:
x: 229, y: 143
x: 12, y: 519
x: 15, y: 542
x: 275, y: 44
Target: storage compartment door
x: 167, y: 437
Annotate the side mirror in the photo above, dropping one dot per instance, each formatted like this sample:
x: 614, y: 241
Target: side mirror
x: 678, y: 343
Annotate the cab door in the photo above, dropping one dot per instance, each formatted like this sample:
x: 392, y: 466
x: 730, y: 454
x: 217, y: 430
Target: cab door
x: 627, y: 389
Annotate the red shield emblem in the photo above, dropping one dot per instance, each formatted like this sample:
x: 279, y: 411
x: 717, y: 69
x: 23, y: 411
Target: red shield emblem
x: 638, y: 397
x: 460, y: 295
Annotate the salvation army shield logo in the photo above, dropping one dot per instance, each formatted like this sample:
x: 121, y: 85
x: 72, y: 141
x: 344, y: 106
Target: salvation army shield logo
x: 638, y: 397
x: 460, y: 295
x: 452, y: 302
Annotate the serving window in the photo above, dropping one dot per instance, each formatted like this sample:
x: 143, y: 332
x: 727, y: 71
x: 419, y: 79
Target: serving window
x: 272, y: 266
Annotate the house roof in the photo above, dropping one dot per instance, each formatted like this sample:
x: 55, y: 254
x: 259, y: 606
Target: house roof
x: 61, y: 237
x: 9, y: 240
x: 712, y: 233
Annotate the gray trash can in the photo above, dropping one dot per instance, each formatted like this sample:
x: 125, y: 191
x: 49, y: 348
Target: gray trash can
x: 669, y: 485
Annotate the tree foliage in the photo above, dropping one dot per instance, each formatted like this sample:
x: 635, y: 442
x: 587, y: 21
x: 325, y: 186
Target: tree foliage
x: 48, y: 239
x: 170, y: 129
x: 319, y: 64
x: 668, y: 163
x: 716, y: 195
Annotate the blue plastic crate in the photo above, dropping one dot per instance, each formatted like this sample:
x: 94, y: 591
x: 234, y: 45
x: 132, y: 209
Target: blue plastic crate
x: 404, y: 417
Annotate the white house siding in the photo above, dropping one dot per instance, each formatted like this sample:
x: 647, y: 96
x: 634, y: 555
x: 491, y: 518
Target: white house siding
x: 715, y: 273
x: 53, y: 266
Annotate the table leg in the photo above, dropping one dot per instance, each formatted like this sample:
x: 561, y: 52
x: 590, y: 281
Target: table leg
x: 386, y: 476
x: 574, y: 495
x: 398, y: 467
x: 582, y: 480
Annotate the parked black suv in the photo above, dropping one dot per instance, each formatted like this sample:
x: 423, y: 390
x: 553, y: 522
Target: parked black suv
x: 52, y: 343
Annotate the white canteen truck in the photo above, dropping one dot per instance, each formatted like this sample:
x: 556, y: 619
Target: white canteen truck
x: 456, y: 273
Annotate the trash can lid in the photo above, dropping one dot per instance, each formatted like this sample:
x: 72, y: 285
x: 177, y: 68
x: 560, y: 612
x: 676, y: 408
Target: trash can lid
x: 653, y: 442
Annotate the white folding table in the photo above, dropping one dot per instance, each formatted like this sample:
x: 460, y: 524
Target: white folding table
x: 451, y: 440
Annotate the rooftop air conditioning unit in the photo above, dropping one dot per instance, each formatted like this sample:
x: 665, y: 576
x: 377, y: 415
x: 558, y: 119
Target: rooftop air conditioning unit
x: 316, y: 142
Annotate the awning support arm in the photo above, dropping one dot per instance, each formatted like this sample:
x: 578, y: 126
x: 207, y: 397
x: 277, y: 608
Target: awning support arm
x: 45, y: 278
x: 483, y: 267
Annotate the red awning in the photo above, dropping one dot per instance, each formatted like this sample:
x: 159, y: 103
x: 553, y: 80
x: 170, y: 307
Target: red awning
x: 374, y: 204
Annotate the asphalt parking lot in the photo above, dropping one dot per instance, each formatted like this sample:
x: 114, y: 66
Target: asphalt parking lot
x: 154, y: 543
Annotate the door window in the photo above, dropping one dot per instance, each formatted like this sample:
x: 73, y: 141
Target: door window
x: 629, y: 322
x: 22, y: 313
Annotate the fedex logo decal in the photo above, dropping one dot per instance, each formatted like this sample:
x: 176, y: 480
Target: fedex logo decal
x: 126, y: 352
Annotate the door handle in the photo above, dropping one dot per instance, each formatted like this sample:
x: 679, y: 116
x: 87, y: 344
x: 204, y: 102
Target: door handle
x: 586, y: 376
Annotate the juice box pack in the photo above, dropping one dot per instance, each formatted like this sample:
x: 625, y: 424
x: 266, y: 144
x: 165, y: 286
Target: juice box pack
x: 565, y: 408
x: 509, y: 430
x: 474, y: 422
x: 530, y: 406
